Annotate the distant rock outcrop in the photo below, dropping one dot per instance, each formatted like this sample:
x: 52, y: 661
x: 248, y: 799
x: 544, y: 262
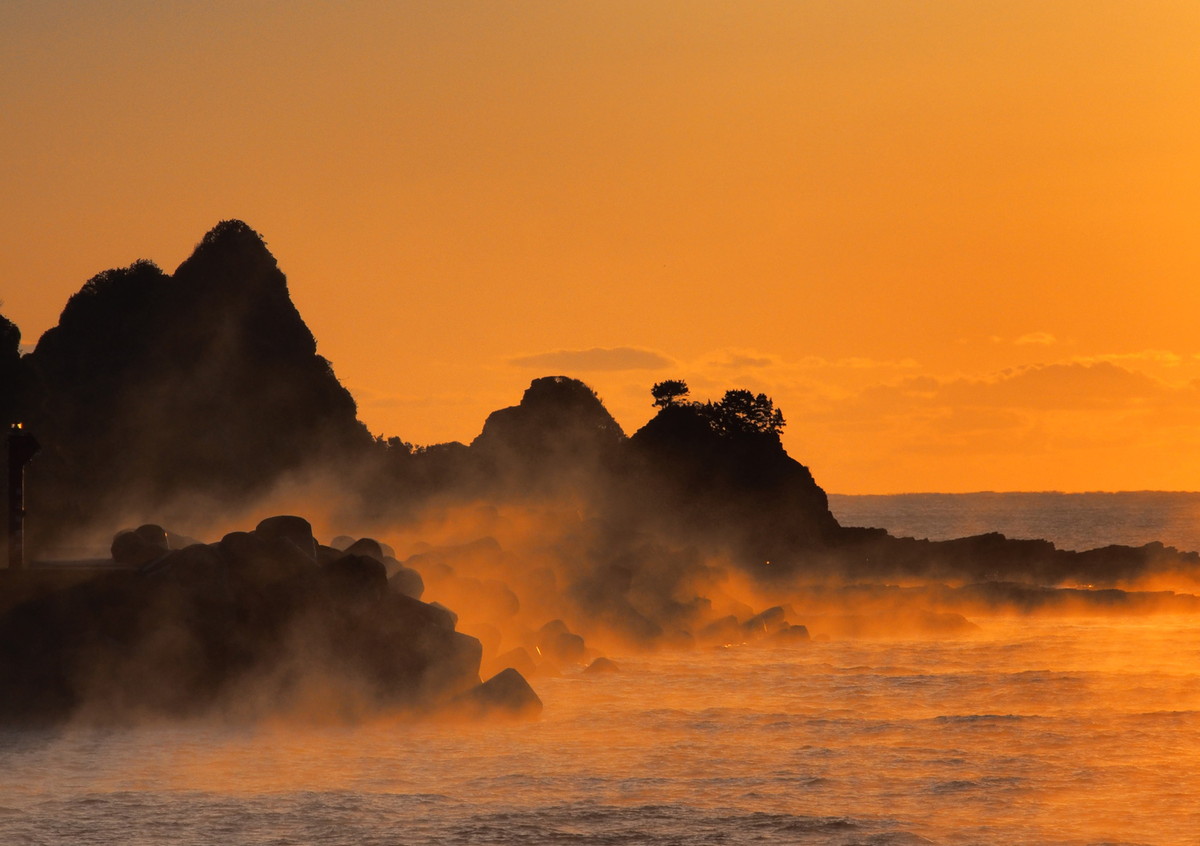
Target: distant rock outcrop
x: 873, y: 554
x: 202, y: 382
x: 560, y: 435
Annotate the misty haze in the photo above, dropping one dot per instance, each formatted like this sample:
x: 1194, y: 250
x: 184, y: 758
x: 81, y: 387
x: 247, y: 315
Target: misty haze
x: 672, y: 422
x: 222, y: 588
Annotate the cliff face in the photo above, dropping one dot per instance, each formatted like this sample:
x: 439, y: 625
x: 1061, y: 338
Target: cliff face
x: 559, y: 437
x: 738, y: 488
x: 206, y: 381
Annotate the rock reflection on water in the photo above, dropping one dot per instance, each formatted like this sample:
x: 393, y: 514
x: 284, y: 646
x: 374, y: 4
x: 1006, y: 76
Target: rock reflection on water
x: 1075, y: 731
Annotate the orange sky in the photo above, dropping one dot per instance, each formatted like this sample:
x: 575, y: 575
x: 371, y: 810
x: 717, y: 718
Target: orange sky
x: 955, y: 241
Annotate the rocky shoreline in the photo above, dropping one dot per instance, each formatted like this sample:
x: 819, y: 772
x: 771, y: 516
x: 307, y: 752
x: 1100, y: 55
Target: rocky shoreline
x: 261, y: 622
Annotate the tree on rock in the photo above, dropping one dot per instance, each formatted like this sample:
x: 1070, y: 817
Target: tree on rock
x: 669, y: 392
x: 742, y: 411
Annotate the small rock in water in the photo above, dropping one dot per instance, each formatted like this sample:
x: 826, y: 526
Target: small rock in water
x: 559, y: 645
x: 765, y: 623
x: 791, y: 634
x: 602, y: 666
x: 505, y: 694
x: 724, y: 630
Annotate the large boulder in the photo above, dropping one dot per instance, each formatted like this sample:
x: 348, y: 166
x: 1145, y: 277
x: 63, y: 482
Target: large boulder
x: 289, y: 530
x: 405, y: 580
x: 505, y: 695
x: 355, y: 578
x: 140, y: 546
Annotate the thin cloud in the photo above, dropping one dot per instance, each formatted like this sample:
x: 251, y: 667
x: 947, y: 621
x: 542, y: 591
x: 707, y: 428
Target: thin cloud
x: 860, y: 363
x: 749, y: 361
x: 737, y: 359
x: 595, y: 359
x: 1099, y: 385
x: 1051, y: 386
x: 1021, y: 426
x: 1166, y: 358
x: 1042, y: 339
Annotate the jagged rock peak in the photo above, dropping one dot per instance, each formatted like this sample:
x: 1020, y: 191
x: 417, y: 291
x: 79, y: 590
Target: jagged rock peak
x: 553, y: 407
x: 565, y: 393
x: 205, y: 383
x: 231, y: 244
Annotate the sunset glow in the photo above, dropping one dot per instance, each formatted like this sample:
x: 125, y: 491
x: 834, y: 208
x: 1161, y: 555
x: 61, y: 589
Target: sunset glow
x: 953, y: 241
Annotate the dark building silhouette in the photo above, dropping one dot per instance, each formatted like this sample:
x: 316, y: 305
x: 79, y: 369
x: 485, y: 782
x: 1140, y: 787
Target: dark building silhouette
x: 12, y: 372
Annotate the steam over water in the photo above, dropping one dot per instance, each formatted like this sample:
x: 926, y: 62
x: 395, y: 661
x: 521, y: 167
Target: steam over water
x: 1029, y: 731
x: 1032, y: 731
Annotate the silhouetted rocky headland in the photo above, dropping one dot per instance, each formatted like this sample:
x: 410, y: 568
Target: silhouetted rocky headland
x: 204, y: 388
x: 205, y: 382
x: 734, y: 486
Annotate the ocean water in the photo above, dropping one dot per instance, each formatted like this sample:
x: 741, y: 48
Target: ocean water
x: 1072, y: 521
x: 1031, y: 731
x: 1064, y: 731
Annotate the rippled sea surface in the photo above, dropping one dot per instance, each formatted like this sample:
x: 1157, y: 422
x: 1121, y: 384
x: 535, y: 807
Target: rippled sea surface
x: 1070, y: 520
x: 1031, y: 731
